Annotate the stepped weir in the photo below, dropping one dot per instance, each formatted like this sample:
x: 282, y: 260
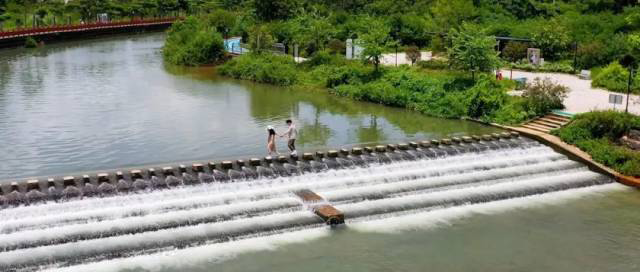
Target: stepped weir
x: 107, y: 216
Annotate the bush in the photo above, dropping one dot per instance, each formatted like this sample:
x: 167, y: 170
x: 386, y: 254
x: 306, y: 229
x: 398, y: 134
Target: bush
x: 597, y: 134
x: 189, y: 42
x: 337, y: 47
x: 485, y: 98
x: 433, y: 64
x: 30, y: 42
x: 513, y: 112
x: 614, y: 77
x: 352, y: 73
x: 542, y: 96
x: 548, y: 66
x: 515, y: 51
x: 264, y: 68
x: 413, y: 54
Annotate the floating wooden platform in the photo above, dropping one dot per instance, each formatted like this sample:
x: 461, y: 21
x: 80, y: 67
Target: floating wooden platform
x: 328, y: 213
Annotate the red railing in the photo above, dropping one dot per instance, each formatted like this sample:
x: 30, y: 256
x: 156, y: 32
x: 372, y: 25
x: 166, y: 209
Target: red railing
x: 81, y: 27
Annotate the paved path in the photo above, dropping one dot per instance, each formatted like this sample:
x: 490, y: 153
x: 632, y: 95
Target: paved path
x: 582, y: 97
x: 390, y: 58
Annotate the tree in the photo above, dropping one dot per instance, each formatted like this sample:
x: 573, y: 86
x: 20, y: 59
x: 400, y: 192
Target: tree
x: 472, y: 50
x: 412, y: 54
x: 542, y: 96
x: 515, y: 51
x: 374, y: 41
x: 274, y: 9
x: 3, y: 18
x: 222, y: 21
x: 260, y: 39
x: 553, y: 39
x: 451, y: 13
x: 336, y: 46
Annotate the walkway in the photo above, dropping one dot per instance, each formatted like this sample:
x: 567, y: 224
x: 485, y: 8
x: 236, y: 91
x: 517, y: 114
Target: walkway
x: 547, y: 123
x: 582, y: 97
x: 84, y: 27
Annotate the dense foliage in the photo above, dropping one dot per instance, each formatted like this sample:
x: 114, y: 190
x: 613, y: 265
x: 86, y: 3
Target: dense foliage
x: 472, y: 50
x: 598, y: 134
x: 264, y: 68
x: 190, y: 42
x: 614, y: 77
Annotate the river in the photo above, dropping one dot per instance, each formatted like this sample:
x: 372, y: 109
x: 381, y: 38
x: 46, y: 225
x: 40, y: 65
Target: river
x: 111, y: 103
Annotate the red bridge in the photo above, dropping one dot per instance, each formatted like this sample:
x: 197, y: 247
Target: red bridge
x: 40, y: 31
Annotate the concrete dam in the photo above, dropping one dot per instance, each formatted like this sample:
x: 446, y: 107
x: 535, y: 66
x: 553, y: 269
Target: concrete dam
x: 68, y: 223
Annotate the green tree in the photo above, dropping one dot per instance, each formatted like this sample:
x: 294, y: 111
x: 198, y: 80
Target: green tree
x: 3, y: 18
x: 515, y: 51
x: 451, y: 13
x: 374, y: 42
x: 260, y: 39
x: 274, y: 9
x: 191, y: 42
x: 472, y: 50
x: 412, y: 54
x: 222, y: 20
x: 553, y: 39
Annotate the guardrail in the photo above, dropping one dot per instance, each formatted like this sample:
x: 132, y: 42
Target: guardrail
x: 82, y: 27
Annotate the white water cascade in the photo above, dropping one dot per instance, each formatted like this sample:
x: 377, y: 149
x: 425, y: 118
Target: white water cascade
x: 210, y: 219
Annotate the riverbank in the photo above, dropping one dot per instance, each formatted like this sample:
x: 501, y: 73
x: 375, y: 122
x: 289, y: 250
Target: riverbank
x: 439, y: 93
x: 594, y: 139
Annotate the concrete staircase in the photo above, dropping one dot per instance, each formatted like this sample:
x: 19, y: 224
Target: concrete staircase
x: 548, y: 122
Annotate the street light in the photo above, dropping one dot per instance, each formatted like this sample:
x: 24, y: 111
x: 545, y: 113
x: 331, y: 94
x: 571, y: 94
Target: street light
x: 629, y: 62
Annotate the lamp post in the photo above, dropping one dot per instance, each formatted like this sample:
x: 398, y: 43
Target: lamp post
x: 629, y: 62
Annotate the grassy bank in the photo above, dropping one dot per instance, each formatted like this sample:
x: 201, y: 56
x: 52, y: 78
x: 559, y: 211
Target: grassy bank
x: 435, y: 92
x: 598, y: 133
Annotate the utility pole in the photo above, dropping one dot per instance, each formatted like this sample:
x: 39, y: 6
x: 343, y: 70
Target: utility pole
x: 626, y: 110
x: 575, y: 57
x: 629, y: 62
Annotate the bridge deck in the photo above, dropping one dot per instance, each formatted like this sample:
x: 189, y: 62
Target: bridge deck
x: 82, y: 27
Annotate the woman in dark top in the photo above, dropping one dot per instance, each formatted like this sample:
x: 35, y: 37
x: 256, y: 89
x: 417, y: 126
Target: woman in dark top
x: 271, y: 141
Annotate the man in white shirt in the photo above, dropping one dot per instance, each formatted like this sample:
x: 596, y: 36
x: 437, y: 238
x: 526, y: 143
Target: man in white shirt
x: 291, y: 133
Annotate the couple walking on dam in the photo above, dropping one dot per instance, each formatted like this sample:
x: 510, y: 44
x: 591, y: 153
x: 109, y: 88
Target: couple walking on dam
x: 291, y: 134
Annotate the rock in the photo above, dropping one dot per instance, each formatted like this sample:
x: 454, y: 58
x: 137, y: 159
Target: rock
x: 631, y: 143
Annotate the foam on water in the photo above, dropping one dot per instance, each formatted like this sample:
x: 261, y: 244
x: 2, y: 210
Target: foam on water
x: 176, y: 227
x: 447, y: 216
x: 184, y: 258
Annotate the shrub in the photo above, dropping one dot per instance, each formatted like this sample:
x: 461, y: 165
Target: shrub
x: 485, y: 98
x: 515, y: 51
x: 548, y: 66
x: 614, y: 77
x: 513, y: 112
x: 189, y: 42
x: 352, y: 73
x: 542, y: 96
x: 597, y: 134
x: 30, y: 42
x: 264, y: 68
x: 433, y: 64
x: 337, y: 47
x: 413, y: 54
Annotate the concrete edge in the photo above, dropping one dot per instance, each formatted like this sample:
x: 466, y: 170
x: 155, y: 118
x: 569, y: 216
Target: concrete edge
x: 575, y: 153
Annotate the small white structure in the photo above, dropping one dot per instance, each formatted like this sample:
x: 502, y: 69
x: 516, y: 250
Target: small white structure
x: 354, y: 51
x: 534, y: 56
x: 102, y: 17
x: 585, y: 74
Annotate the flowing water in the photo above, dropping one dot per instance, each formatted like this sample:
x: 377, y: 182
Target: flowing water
x: 507, y: 205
